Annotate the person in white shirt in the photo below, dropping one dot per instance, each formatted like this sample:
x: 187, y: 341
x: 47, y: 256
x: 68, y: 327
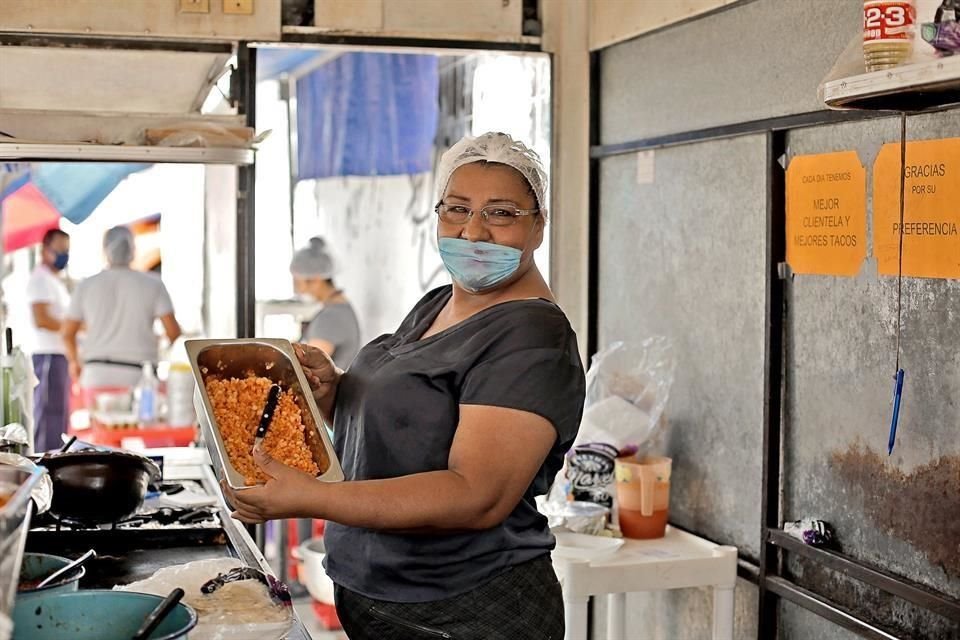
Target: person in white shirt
x: 48, y: 298
x: 117, y: 309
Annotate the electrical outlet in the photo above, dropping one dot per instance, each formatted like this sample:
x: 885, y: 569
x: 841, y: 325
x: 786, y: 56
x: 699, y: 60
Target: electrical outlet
x: 194, y: 6
x: 238, y: 7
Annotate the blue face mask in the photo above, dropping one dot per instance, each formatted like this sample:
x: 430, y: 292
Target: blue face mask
x: 60, y: 261
x: 478, y: 266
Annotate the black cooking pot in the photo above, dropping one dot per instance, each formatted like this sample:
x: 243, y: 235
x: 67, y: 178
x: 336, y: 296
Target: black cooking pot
x: 98, y: 487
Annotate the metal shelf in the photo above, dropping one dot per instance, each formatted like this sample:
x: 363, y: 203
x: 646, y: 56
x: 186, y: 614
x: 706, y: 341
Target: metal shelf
x: 123, y: 153
x: 915, y: 87
x: 911, y: 591
x: 403, y: 41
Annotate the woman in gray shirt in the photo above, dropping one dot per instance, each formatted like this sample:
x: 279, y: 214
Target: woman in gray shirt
x: 334, y: 329
x: 449, y: 428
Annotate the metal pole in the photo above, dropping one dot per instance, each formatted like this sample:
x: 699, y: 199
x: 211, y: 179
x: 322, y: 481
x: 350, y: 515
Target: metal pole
x: 770, y: 555
x: 246, y: 198
x: 593, y: 258
x: 288, y: 89
x: 246, y: 97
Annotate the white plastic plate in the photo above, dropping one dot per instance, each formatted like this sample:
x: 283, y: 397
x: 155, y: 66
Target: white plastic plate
x: 580, y: 546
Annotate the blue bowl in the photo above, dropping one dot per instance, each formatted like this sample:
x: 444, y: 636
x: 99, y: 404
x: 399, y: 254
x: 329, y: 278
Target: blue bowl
x: 95, y: 615
x: 37, y: 566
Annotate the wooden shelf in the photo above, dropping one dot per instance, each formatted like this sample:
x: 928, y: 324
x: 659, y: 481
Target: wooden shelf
x: 915, y: 87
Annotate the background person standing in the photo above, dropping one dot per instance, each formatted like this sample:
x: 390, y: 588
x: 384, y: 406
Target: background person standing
x: 48, y: 298
x: 117, y: 308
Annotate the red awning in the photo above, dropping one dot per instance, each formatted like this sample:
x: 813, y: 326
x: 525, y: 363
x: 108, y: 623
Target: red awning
x: 27, y: 215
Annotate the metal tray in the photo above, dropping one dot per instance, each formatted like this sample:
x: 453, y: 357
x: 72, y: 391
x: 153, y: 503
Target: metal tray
x: 14, y: 524
x: 269, y: 358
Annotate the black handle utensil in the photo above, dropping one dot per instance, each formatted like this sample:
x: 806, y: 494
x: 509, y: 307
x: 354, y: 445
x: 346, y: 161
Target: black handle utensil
x: 273, y: 397
x: 66, y: 446
x: 159, y: 613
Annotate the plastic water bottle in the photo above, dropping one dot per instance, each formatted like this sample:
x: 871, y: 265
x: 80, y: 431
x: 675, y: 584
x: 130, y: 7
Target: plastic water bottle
x: 145, y: 395
x: 11, y: 405
x: 180, y: 387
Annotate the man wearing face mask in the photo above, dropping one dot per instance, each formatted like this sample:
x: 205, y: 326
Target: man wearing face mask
x: 334, y: 329
x: 48, y: 298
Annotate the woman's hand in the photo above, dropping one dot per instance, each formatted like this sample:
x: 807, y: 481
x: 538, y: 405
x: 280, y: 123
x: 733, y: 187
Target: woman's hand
x: 323, y: 376
x: 289, y: 493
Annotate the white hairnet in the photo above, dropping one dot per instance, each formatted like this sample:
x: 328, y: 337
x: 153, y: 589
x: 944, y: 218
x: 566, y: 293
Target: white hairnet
x: 118, y: 246
x: 495, y: 147
x: 313, y: 261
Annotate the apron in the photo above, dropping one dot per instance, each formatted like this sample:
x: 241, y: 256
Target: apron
x: 523, y: 603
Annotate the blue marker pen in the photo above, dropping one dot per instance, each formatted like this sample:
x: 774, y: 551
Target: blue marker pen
x: 897, y: 392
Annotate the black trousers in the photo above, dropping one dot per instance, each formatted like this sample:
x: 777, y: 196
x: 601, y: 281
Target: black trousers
x: 523, y: 603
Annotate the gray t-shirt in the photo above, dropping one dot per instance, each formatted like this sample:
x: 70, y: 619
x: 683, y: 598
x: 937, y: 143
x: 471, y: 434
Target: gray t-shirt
x: 337, y: 324
x: 118, y: 307
x: 397, y: 412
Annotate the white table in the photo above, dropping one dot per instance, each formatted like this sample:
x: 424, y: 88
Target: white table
x: 677, y: 561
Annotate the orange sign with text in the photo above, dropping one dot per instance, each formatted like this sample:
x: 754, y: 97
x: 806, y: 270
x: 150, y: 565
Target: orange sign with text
x: 827, y: 214
x: 931, y: 210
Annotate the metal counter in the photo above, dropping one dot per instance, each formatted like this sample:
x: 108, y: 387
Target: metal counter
x: 123, y: 559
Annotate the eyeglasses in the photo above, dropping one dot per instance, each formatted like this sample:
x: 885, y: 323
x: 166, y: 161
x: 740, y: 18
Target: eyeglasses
x: 495, y: 215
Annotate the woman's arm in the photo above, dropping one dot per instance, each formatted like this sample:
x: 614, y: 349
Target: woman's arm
x: 495, y: 455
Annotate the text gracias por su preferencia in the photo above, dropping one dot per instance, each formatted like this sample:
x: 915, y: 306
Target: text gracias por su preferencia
x: 840, y: 221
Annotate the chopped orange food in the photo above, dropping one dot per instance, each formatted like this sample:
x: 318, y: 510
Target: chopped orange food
x: 237, y: 407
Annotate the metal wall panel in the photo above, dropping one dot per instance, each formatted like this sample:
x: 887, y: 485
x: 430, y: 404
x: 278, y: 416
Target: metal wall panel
x: 684, y: 257
x: 797, y: 623
x: 155, y: 18
x: 759, y: 59
x: 898, y: 513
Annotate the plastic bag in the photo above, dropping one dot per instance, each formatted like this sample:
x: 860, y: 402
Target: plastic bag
x: 20, y: 410
x: 245, y: 620
x: 42, y: 493
x: 14, y: 438
x: 627, y: 390
x: 203, y: 134
x: 577, y: 517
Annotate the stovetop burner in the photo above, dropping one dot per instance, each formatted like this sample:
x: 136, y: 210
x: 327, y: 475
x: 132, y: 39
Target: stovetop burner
x: 163, y: 517
x: 157, y: 525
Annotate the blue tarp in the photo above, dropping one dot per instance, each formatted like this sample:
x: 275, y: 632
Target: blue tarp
x: 74, y: 188
x: 272, y: 63
x: 368, y: 114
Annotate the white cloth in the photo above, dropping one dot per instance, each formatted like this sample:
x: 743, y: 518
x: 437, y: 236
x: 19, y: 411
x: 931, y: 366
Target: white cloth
x: 47, y: 287
x: 119, y: 307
